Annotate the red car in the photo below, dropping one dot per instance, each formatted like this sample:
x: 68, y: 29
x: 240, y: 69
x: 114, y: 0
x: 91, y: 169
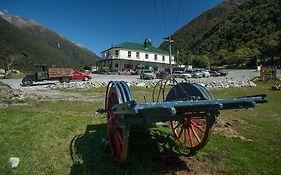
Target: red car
x: 80, y: 75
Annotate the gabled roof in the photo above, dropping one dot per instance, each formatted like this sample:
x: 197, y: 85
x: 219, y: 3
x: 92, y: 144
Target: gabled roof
x: 139, y: 47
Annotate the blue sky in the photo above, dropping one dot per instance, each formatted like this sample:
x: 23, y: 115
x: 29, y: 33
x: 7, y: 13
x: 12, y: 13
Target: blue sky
x: 97, y: 24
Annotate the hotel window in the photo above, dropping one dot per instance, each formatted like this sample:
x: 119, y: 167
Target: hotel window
x: 146, y: 56
x: 116, y: 65
x: 138, y: 55
x: 163, y: 58
x: 129, y: 54
x: 155, y: 57
x: 116, y: 54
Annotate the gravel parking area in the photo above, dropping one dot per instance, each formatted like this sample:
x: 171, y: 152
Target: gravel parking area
x: 47, y: 89
x: 235, y: 76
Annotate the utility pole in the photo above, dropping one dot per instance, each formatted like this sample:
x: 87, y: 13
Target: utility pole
x: 169, y: 39
x: 177, y: 60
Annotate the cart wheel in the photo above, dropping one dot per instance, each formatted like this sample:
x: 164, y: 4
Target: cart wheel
x: 195, y: 128
x: 192, y: 131
x: 117, y: 133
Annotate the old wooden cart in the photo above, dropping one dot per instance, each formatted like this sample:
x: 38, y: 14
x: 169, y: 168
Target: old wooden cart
x: 189, y: 107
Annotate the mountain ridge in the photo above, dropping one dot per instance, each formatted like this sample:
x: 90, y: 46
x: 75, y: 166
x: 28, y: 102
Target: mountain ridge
x: 41, y: 42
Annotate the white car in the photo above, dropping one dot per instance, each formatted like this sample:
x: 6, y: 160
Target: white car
x: 195, y: 73
x: 186, y: 75
x: 181, y: 74
x: 206, y: 73
x: 147, y: 74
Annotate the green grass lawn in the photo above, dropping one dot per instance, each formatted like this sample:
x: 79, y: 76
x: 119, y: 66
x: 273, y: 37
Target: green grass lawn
x: 60, y: 137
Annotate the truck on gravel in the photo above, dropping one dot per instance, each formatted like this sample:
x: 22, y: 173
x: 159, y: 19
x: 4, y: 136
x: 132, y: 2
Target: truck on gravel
x: 43, y: 72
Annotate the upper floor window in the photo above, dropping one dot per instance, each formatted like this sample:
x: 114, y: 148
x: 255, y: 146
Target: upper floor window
x: 137, y: 55
x: 155, y: 57
x: 116, y: 53
x: 129, y: 54
x: 163, y: 58
x: 146, y: 56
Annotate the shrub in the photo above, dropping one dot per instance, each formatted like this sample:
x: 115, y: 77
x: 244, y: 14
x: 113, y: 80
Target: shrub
x: 105, y: 70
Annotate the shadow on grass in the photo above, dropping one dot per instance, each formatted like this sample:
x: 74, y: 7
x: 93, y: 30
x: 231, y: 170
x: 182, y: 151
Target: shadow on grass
x: 151, y: 151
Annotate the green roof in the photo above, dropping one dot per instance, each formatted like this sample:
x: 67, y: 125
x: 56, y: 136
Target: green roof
x: 139, y: 47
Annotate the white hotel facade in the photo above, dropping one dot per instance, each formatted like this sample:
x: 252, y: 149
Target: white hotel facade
x: 132, y: 56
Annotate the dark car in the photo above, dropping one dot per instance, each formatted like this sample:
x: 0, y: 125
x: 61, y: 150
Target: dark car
x: 219, y: 72
x: 214, y: 73
x: 222, y: 72
x: 162, y: 74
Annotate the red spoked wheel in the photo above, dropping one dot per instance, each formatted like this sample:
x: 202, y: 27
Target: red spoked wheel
x: 118, y: 139
x: 192, y: 131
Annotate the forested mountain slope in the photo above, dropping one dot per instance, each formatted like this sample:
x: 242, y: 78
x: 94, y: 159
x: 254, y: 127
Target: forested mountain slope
x: 29, y: 43
x: 238, y: 33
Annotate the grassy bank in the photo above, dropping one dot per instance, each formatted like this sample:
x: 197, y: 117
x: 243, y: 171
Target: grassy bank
x: 61, y: 137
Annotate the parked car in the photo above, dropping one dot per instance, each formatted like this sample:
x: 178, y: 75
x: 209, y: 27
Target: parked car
x: 205, y: 73
x: 79, y: 75
x: 214, y: 73
x: 222, y: 72
x: 195, y: 73
x: 181, y: 74
x: 147, y: 74
x: 162, y: 74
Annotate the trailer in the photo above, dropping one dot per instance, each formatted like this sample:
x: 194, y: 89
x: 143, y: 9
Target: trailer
x: 44, y: 73
x: 190, y: 109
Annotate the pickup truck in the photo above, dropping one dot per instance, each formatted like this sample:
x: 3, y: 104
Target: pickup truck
x: 44, y: 73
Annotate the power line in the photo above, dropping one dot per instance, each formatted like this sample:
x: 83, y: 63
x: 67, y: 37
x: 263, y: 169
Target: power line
x: 167, y: 15
x: 170, y: 18
x: 157, y: 17
x: 178, y: 13
x: 164, y: 16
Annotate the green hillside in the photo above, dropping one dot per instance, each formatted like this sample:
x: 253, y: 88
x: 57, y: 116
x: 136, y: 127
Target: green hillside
x: 32, y: 43
x: 237, y: 34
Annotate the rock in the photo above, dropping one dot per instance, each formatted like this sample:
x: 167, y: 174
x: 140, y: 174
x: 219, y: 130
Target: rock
x: 14, y: 71
x: 14, y: 161
x: 2, y: 71
x: 202, y: 84
x: 252, y: 84
x: 141, y: 84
